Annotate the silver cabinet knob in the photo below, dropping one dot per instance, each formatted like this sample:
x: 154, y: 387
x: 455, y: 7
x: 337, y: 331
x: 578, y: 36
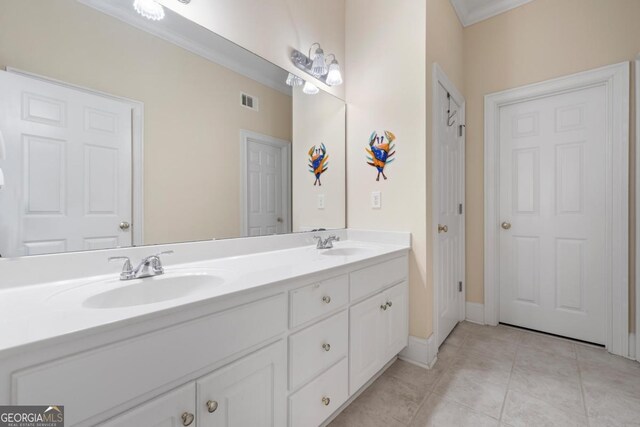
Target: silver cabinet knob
x: 506, y: 225
x: 389, y: 303
x: 326, y: 299
x: 326, y: 347
x: 384, y: 307
x: 187, y: 418
x: 124, y: 225
x: 442, y: 228
x: 326, y: 401
x: 212, y: 405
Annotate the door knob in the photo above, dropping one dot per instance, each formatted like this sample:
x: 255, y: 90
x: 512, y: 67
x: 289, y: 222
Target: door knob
x: 279, y: 219
x: 506, y: 225
x: 442, y: 228
x: 124, y: 225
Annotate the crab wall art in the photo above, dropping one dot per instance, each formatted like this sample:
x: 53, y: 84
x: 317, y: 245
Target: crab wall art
x: 380, y: 152
x: 318, y: 162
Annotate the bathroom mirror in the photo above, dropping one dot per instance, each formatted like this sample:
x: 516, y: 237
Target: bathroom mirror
x: 118, y: 130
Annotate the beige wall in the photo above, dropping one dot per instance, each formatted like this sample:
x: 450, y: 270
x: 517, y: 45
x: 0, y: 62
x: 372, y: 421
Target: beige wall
x: 538, y: 41
x: 271, y: 28
x: 317, y: 119
x: 385, y: 48
x: 192, y: 110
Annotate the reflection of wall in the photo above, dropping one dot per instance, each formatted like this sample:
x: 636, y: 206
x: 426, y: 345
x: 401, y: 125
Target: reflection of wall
x: 538, y: 41
x: 385, y: 44
x: 271, y: 28
x: 316, y: 119
x: 192, y: 110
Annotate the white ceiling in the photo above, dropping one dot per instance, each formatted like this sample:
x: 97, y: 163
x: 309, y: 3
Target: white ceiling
x: 473, y: 11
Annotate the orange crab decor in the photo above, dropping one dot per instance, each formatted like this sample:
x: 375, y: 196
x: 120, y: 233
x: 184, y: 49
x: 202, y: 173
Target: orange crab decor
x: 318, y: 162
x: 380, y: 152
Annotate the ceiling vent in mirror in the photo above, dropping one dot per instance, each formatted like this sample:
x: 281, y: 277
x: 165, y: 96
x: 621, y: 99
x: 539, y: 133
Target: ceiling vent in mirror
x: 249, y: 101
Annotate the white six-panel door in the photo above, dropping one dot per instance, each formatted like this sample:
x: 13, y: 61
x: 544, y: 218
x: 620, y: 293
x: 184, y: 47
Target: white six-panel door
x: 553, y: 175
x: 67, y: 168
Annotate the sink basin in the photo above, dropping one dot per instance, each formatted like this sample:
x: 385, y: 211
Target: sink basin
x: 347, y: 251
x: 153, y: 290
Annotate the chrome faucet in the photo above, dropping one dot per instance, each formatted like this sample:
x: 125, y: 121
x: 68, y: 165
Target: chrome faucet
x: 148, y: 267
x: 326, y: 243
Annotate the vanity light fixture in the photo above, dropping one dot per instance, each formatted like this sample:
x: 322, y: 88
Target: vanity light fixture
x: 318, y: 67
x: 150, y: 9
x: 293, y: 80
x: 310, y: 89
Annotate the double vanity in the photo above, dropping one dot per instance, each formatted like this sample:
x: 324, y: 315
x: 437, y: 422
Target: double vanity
x: 229, y: 334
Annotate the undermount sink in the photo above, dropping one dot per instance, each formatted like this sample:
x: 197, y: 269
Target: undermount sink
x: 347, y: 251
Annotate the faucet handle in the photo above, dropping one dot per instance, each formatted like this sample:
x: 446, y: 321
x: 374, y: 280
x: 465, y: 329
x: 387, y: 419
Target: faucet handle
x: 169, y: 252
x: 157, y: 263
x: 127, y: 269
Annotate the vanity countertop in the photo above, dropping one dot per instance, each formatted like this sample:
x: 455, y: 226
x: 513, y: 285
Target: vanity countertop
x: 48, y: 311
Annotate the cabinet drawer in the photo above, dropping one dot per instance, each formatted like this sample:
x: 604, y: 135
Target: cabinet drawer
x: 316, y: 348
x: 308, y: 407
x: 129, y: 369
x: 317, y: 299
x: 371, y: 279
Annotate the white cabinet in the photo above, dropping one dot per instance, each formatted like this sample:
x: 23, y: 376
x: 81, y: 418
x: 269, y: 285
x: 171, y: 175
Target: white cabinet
x: 173, y: 409
x: 249, y: 392
x: 378, y: 331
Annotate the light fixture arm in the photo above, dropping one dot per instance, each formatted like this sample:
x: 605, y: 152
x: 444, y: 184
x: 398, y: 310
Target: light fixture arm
x: 311, y: 48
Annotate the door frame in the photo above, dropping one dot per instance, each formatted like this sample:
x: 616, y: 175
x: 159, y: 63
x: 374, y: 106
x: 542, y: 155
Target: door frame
x: 137, y: 148
x: 615, y: 78
x: 637, y: 169
x: 440, y: 78
x: 245, y: 136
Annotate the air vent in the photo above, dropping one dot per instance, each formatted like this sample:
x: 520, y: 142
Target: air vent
x: 249, y: 101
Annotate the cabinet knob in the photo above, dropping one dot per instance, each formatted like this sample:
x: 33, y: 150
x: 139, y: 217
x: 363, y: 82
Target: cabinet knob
x: 326, y: 346
x: 326, y: 401
x: 187, y: 419
x: 326, y: 299
x: 212, y: 405
x: 384, y: 307
x: 389, y: 304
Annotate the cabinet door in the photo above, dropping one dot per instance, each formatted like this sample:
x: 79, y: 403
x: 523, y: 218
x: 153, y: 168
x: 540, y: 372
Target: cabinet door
x: 248, y: 392
x: 366, y: 328
x: 173, y: 409
x: 396, y: 320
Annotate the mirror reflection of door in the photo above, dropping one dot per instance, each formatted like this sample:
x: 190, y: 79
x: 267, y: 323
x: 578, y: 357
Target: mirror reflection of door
x: 68, y: 168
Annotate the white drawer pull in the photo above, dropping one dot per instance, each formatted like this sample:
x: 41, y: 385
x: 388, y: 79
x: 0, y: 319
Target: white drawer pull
x: 326, y: 346
x: 326, y: 299
x: 326, y: 401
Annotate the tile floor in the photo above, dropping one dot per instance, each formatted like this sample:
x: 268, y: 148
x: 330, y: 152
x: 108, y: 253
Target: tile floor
x: 501, y: 376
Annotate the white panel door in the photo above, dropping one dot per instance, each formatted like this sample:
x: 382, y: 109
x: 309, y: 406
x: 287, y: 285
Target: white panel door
x: 449, y: 184
x: 265, y: 212
x: 67, y: 168
x: 397, y: 320
x: 174, y: 409
x: 249, y: 392
x: 367, y: 329
x: 552, y: 203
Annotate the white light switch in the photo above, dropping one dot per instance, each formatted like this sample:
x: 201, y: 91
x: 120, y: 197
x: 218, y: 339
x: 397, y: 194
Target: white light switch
x: 376, y: 202
x: 320, y: 201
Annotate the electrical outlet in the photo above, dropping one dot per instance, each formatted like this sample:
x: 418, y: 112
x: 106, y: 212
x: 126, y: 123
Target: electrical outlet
x: 376, y: 200
x: 320, y: 201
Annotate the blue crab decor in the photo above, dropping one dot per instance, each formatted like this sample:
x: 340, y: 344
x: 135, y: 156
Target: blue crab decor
x: 318, y: 162
x: 380, y: 152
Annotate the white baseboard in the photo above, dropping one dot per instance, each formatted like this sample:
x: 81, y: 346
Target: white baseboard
x: 475, y: 312
x: 420, y: 351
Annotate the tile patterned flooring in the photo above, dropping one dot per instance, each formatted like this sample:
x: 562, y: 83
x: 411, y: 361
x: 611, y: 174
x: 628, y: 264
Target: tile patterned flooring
x: 502, y: 376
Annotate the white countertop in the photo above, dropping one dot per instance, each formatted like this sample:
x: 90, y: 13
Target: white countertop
x: 38, y: 312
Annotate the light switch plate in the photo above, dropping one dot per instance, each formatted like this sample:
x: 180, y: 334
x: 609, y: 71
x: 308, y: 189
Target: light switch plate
x: 376, y: 201
x: 320, y: 201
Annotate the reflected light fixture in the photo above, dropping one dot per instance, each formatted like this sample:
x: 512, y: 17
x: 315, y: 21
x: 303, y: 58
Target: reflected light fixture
x: 318, y: 67
x: 150, y: 9
x: 310, y: 89
x: 334, y: 77
x: 293, y: 80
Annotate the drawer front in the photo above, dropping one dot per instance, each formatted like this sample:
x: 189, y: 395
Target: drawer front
x: 314, y: 300
x: 371, y: 279
x: 131, y: 368
x: 316, y: 348
x: 320, y: 398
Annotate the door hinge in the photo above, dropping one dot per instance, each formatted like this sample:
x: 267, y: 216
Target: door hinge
x: 460, y: 208
x: 459, y: 286
x: 461, y: 130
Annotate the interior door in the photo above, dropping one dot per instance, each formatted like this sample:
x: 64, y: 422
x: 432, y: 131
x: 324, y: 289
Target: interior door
x: 449, y: 192
x: 552, y: 206
x: 67, y: 169
x: 264, y: 189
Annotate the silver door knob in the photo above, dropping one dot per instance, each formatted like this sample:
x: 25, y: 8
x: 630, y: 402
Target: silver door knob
x: 279, y: 219
x: 442, y: 228
x: 506, y: 225
x: 187, y: 418
x: 124, y: 225
x: 212, y: 405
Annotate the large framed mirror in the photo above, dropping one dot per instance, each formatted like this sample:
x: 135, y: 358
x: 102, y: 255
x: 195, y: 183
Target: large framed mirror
x: 117, y: 130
